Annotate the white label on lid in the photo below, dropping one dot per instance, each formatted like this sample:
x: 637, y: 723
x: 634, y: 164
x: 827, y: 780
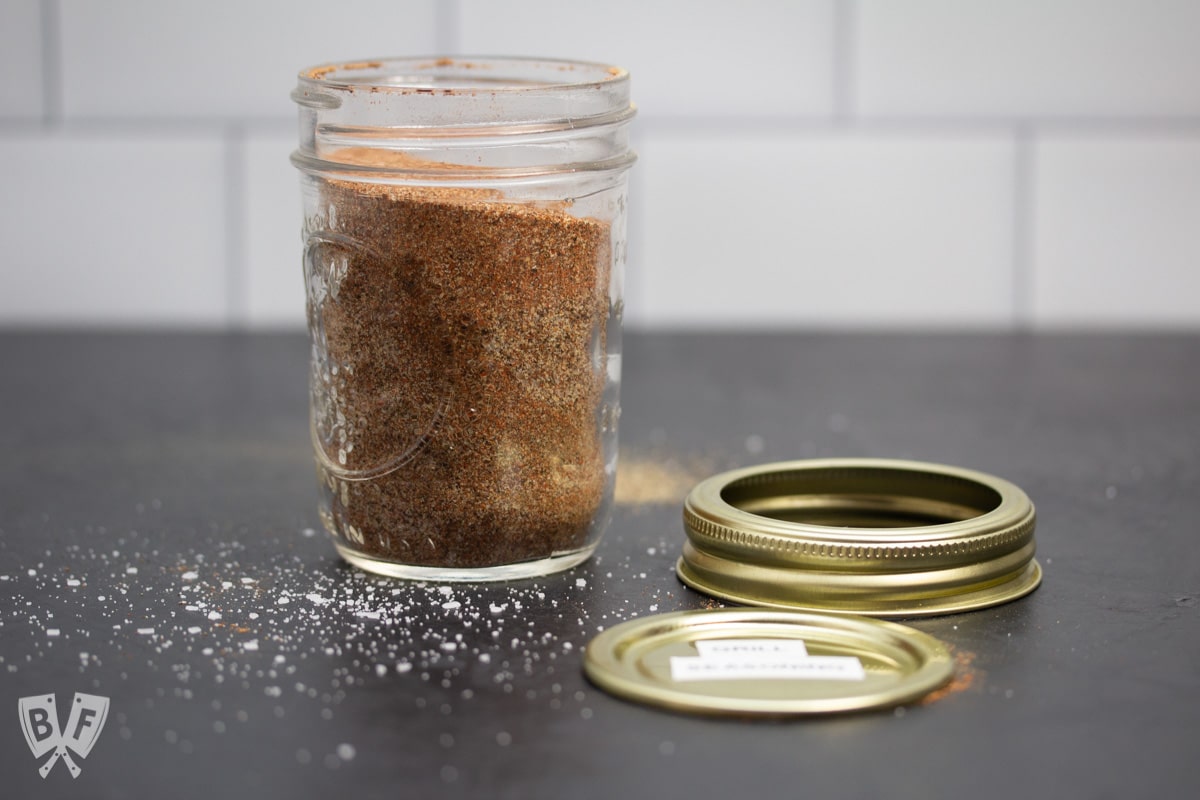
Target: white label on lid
x: 739, y: 648
x: 762, y: 659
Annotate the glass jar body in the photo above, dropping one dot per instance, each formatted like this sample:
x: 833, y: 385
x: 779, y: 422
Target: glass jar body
x: 464, y: 295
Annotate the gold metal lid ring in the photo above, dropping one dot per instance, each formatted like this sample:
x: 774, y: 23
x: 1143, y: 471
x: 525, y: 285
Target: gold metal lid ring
x: 878, y: 537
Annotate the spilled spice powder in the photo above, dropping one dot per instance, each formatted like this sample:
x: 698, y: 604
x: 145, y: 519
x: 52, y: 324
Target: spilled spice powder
x: 966, y: 676
x: 459, y: 365
x: 645, y: 480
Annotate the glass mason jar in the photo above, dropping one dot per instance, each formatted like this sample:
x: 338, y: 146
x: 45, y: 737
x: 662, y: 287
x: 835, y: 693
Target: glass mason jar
x: 464, y: 227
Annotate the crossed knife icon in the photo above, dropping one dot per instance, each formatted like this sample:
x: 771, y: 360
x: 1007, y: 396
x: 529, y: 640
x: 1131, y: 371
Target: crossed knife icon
x: 39, y: 723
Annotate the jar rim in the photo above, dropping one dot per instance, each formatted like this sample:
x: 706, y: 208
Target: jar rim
x: 456, y: 75
x: 463, y: 118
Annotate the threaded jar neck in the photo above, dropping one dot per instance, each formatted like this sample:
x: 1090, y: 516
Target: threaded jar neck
x: 463, y: 119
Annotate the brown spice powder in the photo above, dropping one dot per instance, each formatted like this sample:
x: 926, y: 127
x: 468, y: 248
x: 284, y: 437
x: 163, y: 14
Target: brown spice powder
x: 457, y: 397
x: 966, y: 676
x: 657, y: 479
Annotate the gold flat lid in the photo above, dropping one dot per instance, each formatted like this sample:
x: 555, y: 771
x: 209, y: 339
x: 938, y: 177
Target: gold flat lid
x: 744, y: 661
x: 877, y: 537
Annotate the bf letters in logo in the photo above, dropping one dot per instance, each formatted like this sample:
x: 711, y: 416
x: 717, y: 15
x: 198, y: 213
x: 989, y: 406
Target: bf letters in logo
x: 39, y: 723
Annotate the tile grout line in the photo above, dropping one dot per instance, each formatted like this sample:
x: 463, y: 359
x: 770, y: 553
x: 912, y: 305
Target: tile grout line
x: 844, y: 34
x: 237, y: 303
x: 51, y: 62
x: 447, y: 17
x: 920, y: 126
x: 1023, y: 228
x: 878, y: 124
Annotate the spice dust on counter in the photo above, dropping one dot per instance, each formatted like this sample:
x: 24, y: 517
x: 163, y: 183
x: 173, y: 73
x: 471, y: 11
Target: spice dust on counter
x: 657, y: 479
x: 966, y: 677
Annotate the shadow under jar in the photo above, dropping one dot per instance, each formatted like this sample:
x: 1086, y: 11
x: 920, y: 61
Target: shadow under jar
x: 464, y: 226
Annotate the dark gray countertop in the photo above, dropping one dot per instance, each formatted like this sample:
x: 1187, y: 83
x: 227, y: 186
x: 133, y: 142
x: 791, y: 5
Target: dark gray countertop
x: 158, y: 546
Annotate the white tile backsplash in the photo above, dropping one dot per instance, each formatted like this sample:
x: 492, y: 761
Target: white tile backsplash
x: 703, y: 57
x: 224, y: 58
x: 820, y: 230
x: 274, y: 279
x: 816, y: 163
x: 20, y: 59
x: 1117, y: 241
x: 113, y: 231
x: 1046, y: 58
